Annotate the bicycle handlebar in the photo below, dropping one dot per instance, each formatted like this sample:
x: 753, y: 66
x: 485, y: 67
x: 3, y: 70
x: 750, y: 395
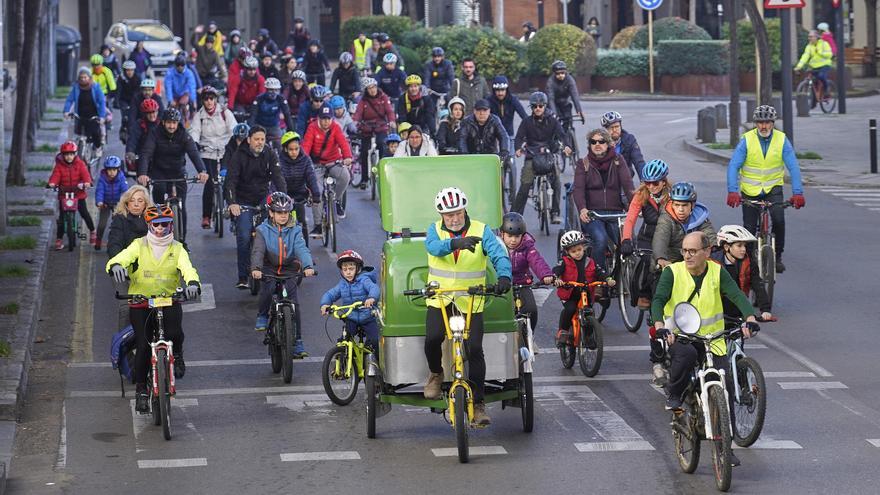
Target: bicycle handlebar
x: 177, y: 296
x: 572, y: 285
x: 188, y: 180
x: 603, y: 216
x: 474, y: 290
x: 342, y: 312
x: 765, y: 204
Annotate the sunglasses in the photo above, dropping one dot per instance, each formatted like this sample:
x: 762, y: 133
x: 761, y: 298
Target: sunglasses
x: 653, y: 182
x: 538, y: 106
x: 598, y: 141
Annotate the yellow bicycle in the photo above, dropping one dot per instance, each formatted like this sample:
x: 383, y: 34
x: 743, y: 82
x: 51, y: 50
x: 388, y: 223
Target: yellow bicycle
x: 343, y: 366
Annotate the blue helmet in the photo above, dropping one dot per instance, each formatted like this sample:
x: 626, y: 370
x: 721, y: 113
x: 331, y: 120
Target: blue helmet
x: 112, y: 161
x: 655, y: 170
x: 337, y: 102
x: 683, y: 191
x: 241, y: 130
x: 318, y: 93
x: 393, y: 138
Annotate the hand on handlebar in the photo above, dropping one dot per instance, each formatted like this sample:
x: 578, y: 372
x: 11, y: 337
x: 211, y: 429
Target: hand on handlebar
x: 502, y: 286
x: 234, y: 210
x: 203, y: 177
x: 325, y: 309
x: 309, y: 272
x: 257, y: 274
x: 119, y: 273
x: 347, y: 162
x: 144, y: 180
x: 549, y: 280
x: 369, y: 302
x: 585, y: 215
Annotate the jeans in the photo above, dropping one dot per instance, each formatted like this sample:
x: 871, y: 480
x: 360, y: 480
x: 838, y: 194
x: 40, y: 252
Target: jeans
x: 163, y: 189
x: 435, y: 334
x: 83, y: 212
x: 143, y: 320
x: 683, y: 357
x: 822, y: 74
x: 371, y: 330
x: 212, y: 167
x: 342, y: 175
x: 243, y: 241
x: 777, y: 215
x: 525, y: 185
x: 600, y: 231
x: 264, y: 300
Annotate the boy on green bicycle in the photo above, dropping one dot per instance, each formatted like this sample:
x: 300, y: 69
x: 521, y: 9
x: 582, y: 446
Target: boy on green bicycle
x: 355, y: 286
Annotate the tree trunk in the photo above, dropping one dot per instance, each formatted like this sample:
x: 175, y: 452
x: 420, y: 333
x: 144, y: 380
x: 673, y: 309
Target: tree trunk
x: 18, y: 15
x: 766, y: 84
x: 733, y: 110
x: 412, y: 7
x: 871, y: 66
x: 33, y: 13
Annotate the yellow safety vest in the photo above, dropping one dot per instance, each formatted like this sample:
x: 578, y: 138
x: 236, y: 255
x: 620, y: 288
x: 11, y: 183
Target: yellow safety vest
x: 153, y: 276
x: 816, y: 56
x: 761, y: 173
x: 707, y: 301
x: 468, y: 270
x: 105, y: 79
x: 360, y: 52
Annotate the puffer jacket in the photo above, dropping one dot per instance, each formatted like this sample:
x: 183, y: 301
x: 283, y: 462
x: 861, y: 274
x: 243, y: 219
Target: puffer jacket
x: 670, y: 232
x: 123, y: 230
x: 178, y: 83
x: 525, y: 260
x: 426, y: 149
x: 571, y: 270
x: 277, y: 250
x: 559, y: 93
x: 245, y: 90
x: 108, y: 191
x: 439, y: 77
x: 374, y: 113
x: 300, y: 176
x: 295, y: 99
x: 345, y: 292
x: 249, y: 175
x: 69, y: 175
x: 448, y: 135
x: 164, y: 156
x: 391, y: 82
x: 629, y: 149
x: 418, y: 111
x: 211, y: 131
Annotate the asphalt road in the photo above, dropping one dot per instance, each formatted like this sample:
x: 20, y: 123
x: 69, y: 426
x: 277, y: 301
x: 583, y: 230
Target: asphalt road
x: 238, y: 428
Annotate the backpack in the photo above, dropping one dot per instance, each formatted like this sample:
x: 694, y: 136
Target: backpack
x: 122, y: 350
x: 543, y: 163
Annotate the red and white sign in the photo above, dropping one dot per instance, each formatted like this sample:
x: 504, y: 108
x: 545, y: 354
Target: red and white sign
x: 784, y: 4
x: 835, y: 3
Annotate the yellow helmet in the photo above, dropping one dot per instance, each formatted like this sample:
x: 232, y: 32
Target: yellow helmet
x: 403, y: 127
x: 287, y: 137
x: 413, y: 79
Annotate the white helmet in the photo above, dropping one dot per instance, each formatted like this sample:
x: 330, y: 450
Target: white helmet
x: 273, y: 83
x: 129, y: 65
x: 572, y: 238
x: 734, y: 233
x: 148, y: 83
x: 298, y: 74
x: 368, y: 82
x: 450, y: 199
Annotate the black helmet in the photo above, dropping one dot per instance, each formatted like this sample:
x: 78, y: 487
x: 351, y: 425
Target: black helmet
x: 537, y: 98
x: 171, y: 114
x: 559, y: 65
x: 180, y: 60
x: 513, y: 223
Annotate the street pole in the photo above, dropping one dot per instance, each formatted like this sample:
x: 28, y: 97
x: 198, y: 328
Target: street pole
x: 2, y: 133
x: 500, y: 15
x: 540, y: 14
x: 841, y: 62
x: 651, y: 50
x: 564, y: 11
x: 787, y: 117
x: 758, y: 59
x: 872, y: 139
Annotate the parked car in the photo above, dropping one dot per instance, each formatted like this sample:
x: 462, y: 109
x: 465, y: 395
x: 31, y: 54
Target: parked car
x: 158, y: 39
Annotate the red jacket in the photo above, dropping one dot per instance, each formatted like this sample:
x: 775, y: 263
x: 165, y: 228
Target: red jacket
x: 570, y: 274
x: 234, y: 72
x: 374, y: 114
x: 337, y: 148
x: 246, y: 90
x: 66, y: 175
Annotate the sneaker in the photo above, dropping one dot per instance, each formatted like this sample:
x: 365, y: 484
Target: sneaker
x: 659, y: 379
x: 340, y: 211
x: 59, y: 244
x: 317, y: 232
x: 644, y: 303
x: 780, y: 267
x: 734, y: 460
x: 98, y: 245
x: 480, y: 416
x: 179, y: 365
x: 432, y: 386
x: 262, y: 323
x: 241, y: 284
x: 673, y: 404
x: 555, y: 219
x: 563, y: 338
x: 142, y: 399
x: 299, y: 350
x: 206, y: 222
x: 93, y: 237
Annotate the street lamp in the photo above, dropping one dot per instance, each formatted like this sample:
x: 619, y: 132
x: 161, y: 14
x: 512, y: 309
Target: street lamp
x: 720, y: 18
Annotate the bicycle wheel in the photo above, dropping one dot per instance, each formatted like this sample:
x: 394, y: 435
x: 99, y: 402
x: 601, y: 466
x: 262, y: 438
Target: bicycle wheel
x: 164, y: 394
x: 461, y: 424
x: 829, y: 102
x: 325, y: 220
x: 274, y: 349
x: 509, y: 193
x: 332, y: 230
x: 768, y: 267
x: 372, y: 404
x: 590, y: 347
x: 70, y: 227
x: 372, y: 184
x: 686, y: 440
x: 178, y: 230
x: 340, y: 387
x: 218, y: 210
x: 154, y: 401
x: 567, y: 353
x: 721, y: 441
x: 632, y: 315
x: 527, y: 402
x: 599, y: 311
x: 752, y: 403
x: 804, y: 88
x: 287, y: 326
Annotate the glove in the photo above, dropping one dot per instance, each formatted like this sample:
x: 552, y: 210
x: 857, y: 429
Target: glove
x: 734, y: 199
x: 469, y: 243
x: 130, y: 157
x: 192, y: 291
x: 502, y: 286
x: 797, y: 201
x: 626, y: 247
x: 661, y: 334
x: 119, y: 273
x: 753, y: 327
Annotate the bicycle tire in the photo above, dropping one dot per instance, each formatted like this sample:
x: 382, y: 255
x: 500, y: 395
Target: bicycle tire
x: 218, y: 210
x: 328, y: 375
x: 70, y: 226
x: 253, y: 285
x: 686, y: 440
x: 333, y: 229
x: 372, y: 185
x: 624, y: 298
x: 805, y: 88
x: 461, y: 424
x: 288, y: 329
x: 752, y: 402
x: 828, y: 105
x: 372, y: 404
x: 590, y: 360
x: 154, y: 401
x: 768, y: 266
x: 178, y: 233
x: 599, y: 311
x: 527, y: 401
x: 274, y: 351
x: 721, y: 443
x: 164, y: 393
x: 325, y: 220
x: 567, y: 353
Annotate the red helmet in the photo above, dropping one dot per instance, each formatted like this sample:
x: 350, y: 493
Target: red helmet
x: 68, y: 147
x: 350, y: 255
x: 149, y: 105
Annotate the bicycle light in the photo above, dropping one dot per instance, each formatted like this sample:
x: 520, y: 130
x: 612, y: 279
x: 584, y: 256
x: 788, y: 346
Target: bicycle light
x: 330, y: 181
x: 456, y: 323
x: 458, y: 375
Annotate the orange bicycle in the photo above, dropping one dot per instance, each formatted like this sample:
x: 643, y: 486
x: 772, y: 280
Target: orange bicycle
x: 586, y: 342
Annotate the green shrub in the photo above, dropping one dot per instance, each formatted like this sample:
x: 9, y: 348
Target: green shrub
x: 419, y: 40
x: 623, y: 38
x: 681, y: 57
x: 411, y: 60
x: 669, y: 28
x: 27, y: 221
x: 9, y: 309
x: 623, y: 62
x: 746, y: 36
x: 395, y: 26
x: 8, y: 271
x: 493, y: 52
x: 17, y: 242
x: 563, y: 42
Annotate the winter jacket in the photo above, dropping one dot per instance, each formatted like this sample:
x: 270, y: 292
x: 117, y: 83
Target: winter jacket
x: 349, y: 81
x: 249, y: 175
x: 535, y: 133
x: 266, y: 109
x: 829, y: 38
x: 470, y: 91
x: 69, y: 175
x: 71, y: 104
x: 203, y: 40
x: 268, y: 71
x: 558, y: 93
x: 280, y: 250
x: 232, y: 51
x: 505, y: 110
x: 298, y: 39
x: 571, y: 270
x: 135, y: 110
x: 650, y: 211
x: 295, y: 99
x: 123, y: 230
x: 246, y: 90
x: 593, y: 193
x: 448, y: 137
x: 489, y: 138
x: 747, y: 277
x: 345, y: 293
x: 337, y: 148
x: 315, y: 63
x: 418, y: 112
x: 391, y: 82
x: 112, y: 62
x: 137, y: 135
x: 346, y: 123
x: 670, y: 232
x: 816, y: 55
x: 105, y: 78
x: 209, y: 63
x: 525, y: 260
x: 164, y: 156
x: 374, y: 113
x: 154, y: 276
x: 426, y: 149
x: 108, y: 191
x: 178, y: 83
x: 128, y: 88
x: 235, y: 71
x: 266, y: 45
x: 439, y: 77
x: 306, y: 115
x: 299, y: 174
x: 628, y: 148
x: 142, y: 60
x: 231, y: 147
x: 211, y: 131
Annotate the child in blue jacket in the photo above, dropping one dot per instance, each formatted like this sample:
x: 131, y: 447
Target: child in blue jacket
x: 111, y: 186
x: 356, y: 285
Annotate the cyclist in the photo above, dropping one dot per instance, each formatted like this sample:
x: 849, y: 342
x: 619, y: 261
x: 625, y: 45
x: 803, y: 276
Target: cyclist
x: 105, y: 78
x: 471, y: 86
x: 356, y: 285
x: 756, y: 170
x: 386, y: 46
x: 128, y: 84
x: 346, y: 74
x: 180, y: 84
x: 127, y: 223
x: 296, y: 93
x: 360, y: 48
x: 341, y: 116
x: 265, y: 43
x: 735, y: 256
x: 209, y: 64
x: 817, y: 57
x: 239, y: 135
x: 325, y: 143
x: 483, y: 133
x: 575, y: 266
x: 392, y: 142
x: 439, y: 73
x: 267, y: 67
x: 403, y: 129
x: 299, y: 174
x: 268, y: 110
x: 449, y: 132
x: 153, y: 272
x: 563, y: 93
x: 110, y: 61
x: 245, y: 89
x: 458, y: 250
x: 390, y: 78
x: 601, y: 182
x: 417, y: 144
x: 87, y: 100
x: 374, y: 117
x: 252, y: 168
x: 288, y: 67
x: 111, y: 186
x: 682, y: 215
x: 504, y: 105
x: 232, y: 47
x: 138, y: 132
x: 280, y: 250
x: 71, y: 172
x: 148, y: 92
x: 298, y: 37
x: 308, y: 110
x: 538, y: 130
x: 141, y: 57
x: 211, y: 37
x: 625, y: 144
x: 315, y: 63
x: 415, y: 107
x: 529, y: 32
x: 236, y: 68
x: 524, y: 261
x: 211, y: 130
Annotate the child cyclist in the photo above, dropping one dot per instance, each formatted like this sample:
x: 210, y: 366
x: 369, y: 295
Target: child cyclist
x: 575, y: 266
x: 525, y: 260
x: 355, y: 286
x: 279, y: 251
x: 735, y: 256
x: 71, y: 174
x: 392, y: 142
x: 155, y: 263
x: 111, y: 186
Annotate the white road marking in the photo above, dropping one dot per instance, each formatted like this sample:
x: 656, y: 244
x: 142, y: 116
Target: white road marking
x: 797, y: 356
x: 770, y: 444
x: 811, y: 385
x: 206, y: 302
x: 683, y: 119
x: 789, y: 374
x: 173, y: 463
x: 208, y: 362
x: 474, y: 450
x: 874, y: 441
x: 863, y: 193
x: 79, y: 394
x: 342, y: 455
x: 841, y: 189
x: 61, y: 460
x: 541, y: 296
x: 140, y: 422
x: 865, y: 204
x: 607, y: 378
x: 613, y: 446
x: 317, y: 404
x: 629, y: 348
x: 874, y: 209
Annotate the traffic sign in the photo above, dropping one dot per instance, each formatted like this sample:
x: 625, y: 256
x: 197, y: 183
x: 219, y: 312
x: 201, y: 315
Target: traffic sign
x: 835, y: 3
x: 784, y: 4
x: 650, y: 4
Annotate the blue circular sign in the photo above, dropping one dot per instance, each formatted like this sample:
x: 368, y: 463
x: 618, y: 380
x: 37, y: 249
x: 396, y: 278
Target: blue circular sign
x: 650, y: 4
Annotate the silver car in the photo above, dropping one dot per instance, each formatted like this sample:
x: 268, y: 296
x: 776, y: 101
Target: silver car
x: 158, y: 40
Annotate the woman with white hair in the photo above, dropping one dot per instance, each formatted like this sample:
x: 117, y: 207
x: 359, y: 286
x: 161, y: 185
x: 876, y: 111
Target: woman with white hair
x: 827, y: 36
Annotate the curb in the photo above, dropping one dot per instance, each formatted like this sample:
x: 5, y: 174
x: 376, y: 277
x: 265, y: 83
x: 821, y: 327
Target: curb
x: 697, y: 149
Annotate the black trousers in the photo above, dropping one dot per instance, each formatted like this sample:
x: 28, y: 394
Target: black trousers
x: 529, y: 306
x: 83, y: 212
x: 777, y: 215
x: 264, y: 300
x: 160, y: 190
x: 143, y: 320
x: 569, y: 308
x: 435, y: 334
x: 213, y: 168
x: 683, y: 357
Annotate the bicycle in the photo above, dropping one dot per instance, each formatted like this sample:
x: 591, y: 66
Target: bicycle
x: 70, y: 206
x: 766, y: 243
x: 528, y: 350
x: 368, y: 174
x: 441, y: 104
x: 281, y: 330
x: 177, y: 205
x: 508, y: 181
x: 542, y: 198
x: 345, y: 362
x: 256, y: 219
x: 621, y: 269
x: 88, y: 152
x: 825, y: 97
x: 217, y: 183
x: 749, y: 389
x: 328, y: 203
x: 567, y: 122
x: 587, y: 342
x: 161, y: 373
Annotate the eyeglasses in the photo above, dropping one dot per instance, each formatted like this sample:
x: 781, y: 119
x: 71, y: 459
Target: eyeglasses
x: 598, y: 141
x: 653, y: 182
x: 689, y: 253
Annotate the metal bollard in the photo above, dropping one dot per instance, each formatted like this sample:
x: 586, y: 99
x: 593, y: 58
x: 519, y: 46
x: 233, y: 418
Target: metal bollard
x: 721, y: 116
x: 802, y: 102
x: 751, y: 105
x: 872, y: 138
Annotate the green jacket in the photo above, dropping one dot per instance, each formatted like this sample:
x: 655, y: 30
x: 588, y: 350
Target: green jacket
x: 152, y: 277
x: 816, y: 55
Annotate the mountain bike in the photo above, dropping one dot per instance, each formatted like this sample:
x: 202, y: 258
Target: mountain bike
x: 811, y: 86
x: 766, y: 243
x: 508, y: 181
x: 282, y: 328
x: 621, y: 269
x: 344, y: 363
x: 528, y: 350
x: 259, y: 215
x: 587, y: 342
x: 567, y: 122
x: 89, y: 152
x: 542, y: 197
x: 177, y: 205
x: 328, y: 203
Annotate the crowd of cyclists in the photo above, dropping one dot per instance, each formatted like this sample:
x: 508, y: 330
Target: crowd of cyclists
x: 260, y: 117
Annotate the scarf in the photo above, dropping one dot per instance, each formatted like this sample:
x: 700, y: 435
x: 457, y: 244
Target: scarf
x: 159, y: 244
x: 604, y: 163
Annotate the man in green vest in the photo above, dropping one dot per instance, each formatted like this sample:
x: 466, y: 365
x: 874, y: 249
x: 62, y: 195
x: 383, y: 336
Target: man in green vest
x: 458, y: 250
x: 359, y: 48
x: 817, y: 57
x: 703, y: 284
x: 756, y: 170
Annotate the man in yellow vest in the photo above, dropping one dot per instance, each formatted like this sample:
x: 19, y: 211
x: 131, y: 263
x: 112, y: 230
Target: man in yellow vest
x: 756, y: 170
x: 458, y: 249
x: 817, y: 57
x: 701, y: 283
x: 360, y: 48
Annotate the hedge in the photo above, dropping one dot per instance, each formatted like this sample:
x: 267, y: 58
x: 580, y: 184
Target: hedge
x: 620, y: 63
x: 623, y: 38
x: 681, y: 57
x: 493, y: 52
x: 395, y: 26
x: 669, y: 28
x: 563, y: 42
x: 746, y: 36
x: 411, y: 60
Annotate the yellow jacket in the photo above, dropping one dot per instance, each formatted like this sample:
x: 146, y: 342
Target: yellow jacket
x: 816, y: 55
x: 153, y: 277
x: 218, y: 42
x: 104, y: 77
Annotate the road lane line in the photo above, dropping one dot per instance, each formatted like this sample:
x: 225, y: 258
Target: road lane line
x: 207, y: 362
x: 541, y: 296
x: 874, y: 441
x: 797, y: 356
x: 613, y: 446
x: 140, y: 422
x: 771, y: 444
x: 342, y: 455
x: 83, y: 326
x: 811, y: 385
x: 80, y: 394
x: 474, y: 450
x: 606, y: 378
x: 318, y: 405
x: 683, y: 119
x: 61, y: 460
x: 173, y: 463
x: 853, y: 193
x: 206, y: 302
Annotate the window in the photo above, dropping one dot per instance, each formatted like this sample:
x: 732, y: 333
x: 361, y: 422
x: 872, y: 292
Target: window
x: 149, y: 32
